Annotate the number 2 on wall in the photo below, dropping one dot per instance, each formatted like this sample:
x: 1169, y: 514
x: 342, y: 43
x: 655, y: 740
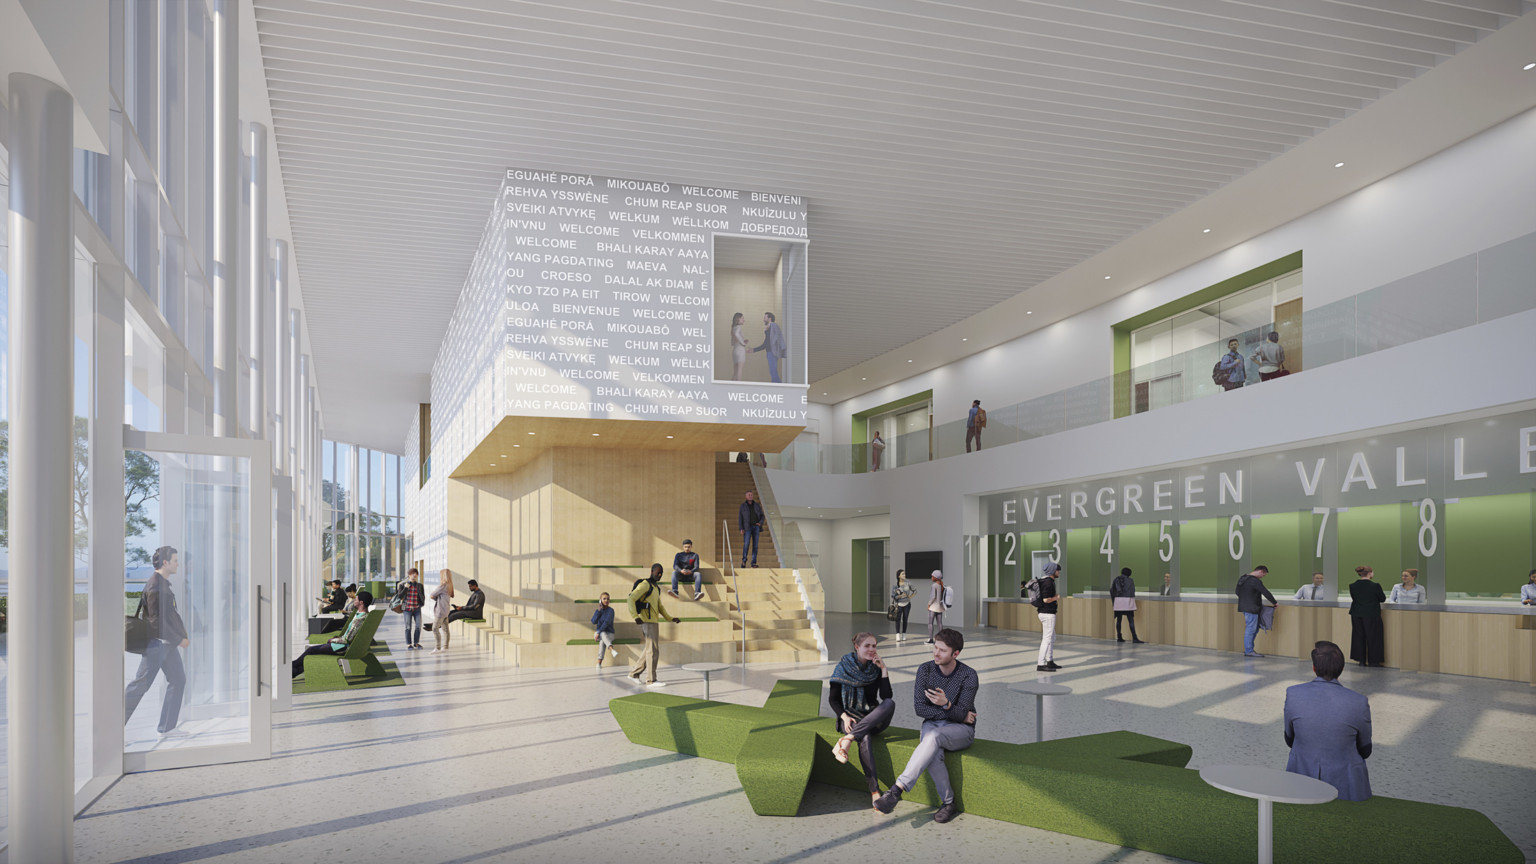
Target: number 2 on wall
x: 1056, y: 545
x: 1012, y: 544
x: 1164, y: 537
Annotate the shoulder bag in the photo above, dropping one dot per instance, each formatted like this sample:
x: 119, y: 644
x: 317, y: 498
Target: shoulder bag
x: 136, y: 633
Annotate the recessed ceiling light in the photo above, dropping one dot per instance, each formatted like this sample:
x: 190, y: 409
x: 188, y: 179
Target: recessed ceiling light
x: 909, y: 361
x: 1030, y: 312
x: 517, y: 445
x: 741, y: 439
x: 1529, y: 66
x: 493, y: 464
x: 863, y: 379
x: 962, y: 339
x: 669, y: 436
x: 1206, y: 231
x: 1106, y: 277
x: 533, y: 433
x: 595, y: 434
x: 1338, y: 164
x: 823, y: 394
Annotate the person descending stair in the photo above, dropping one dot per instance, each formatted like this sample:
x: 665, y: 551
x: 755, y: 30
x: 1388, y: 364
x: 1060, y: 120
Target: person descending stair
x: 750, y: 521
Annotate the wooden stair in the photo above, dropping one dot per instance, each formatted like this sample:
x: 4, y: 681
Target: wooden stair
x: 733, y: 480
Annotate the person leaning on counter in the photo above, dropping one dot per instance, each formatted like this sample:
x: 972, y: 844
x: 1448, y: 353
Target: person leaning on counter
x: 1528, y: 590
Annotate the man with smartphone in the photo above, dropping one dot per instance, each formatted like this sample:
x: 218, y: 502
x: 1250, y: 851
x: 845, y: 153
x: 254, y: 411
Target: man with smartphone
x: 944, y: 695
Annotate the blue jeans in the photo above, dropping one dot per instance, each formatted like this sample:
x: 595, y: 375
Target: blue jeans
x: 1250, y: 630
x: 773, y: 368
x: 697, y: 577
x: 413, y: 627
x: 749, y: 540
x: 159, y: 656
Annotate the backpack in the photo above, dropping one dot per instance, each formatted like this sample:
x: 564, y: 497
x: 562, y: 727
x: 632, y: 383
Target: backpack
x: 1218, y: 374
x: 981, y: 418
x: 1032, y: 593
x: 949, y: 596
x: 641, y: 605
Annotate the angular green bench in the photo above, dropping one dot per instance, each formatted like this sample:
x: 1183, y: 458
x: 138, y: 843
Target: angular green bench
x: 337, y: 669
x: 1116, y: 787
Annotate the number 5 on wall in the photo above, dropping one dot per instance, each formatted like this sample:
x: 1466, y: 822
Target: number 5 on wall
x: 1164, y: 537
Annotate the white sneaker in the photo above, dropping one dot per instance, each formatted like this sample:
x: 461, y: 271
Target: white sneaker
x: 599, y: 665
x: 656, y: 685
x: 613, y: 652
x: 633, y: 680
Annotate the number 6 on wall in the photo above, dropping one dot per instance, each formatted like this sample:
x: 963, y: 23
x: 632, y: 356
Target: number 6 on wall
x: 1164, y: 537
x: 1235, y: 538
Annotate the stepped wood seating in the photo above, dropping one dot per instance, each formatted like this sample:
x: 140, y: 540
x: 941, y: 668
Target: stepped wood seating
x: 549, y: 623
x: 1117, y: 787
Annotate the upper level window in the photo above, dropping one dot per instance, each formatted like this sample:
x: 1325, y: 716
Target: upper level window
x: 1172, y: 359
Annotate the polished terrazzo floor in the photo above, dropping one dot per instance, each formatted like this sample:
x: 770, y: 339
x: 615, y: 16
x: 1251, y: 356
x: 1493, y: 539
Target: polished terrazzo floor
x: 478, y: 761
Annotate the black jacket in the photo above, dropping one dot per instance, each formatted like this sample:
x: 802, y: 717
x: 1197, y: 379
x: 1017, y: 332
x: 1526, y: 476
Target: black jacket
x: 1048, y: 595
x: 1249, y: 589
x: 1365, y: 599
x: 160, y: 609
x: 1123, y: 586
x: 750, y: 513
x: 476, y: 603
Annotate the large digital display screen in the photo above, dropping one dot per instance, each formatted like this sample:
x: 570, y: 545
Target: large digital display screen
x: 639, y: 299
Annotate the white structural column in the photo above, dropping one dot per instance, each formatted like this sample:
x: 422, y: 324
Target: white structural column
x: 226, y: 217
x: 280, y: 371
x: 40, y: 692
x: 257, y: 307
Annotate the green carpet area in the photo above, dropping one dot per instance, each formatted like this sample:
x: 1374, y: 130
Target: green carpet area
x: 323, y: 675
x: 1117, y: 787
x: 701, y: 618
x: 587, y: 601
x: 594, y: 642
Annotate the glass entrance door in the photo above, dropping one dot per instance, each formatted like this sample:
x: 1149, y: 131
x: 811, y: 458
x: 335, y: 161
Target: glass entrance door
x: 196, y: 568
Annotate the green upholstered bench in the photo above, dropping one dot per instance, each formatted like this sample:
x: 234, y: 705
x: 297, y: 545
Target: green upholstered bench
x: 594, y: 641
x: 1116, y: 787
x: 338, y: 668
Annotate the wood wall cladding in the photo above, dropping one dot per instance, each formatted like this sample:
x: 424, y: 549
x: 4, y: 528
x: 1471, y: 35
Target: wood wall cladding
x: 1483, y: 645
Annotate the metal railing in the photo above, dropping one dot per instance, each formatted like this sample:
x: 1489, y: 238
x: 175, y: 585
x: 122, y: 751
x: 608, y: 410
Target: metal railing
x: 725, y: 544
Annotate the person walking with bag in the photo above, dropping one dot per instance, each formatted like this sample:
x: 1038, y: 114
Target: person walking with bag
x: 901, y: 597
x: 935, y: 605
x: 442, y: 607
x: 412, y: 597
x: 167, y: 634
x: 645, y: 607
x: 1122, y: 593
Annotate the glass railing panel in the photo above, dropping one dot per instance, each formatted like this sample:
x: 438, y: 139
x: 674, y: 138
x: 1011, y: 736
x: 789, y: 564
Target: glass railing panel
x: 1416, y: 307
x: 1506, y: 278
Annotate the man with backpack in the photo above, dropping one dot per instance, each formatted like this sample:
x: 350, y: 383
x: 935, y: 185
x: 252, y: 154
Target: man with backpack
x: 645, y: 607
x: 1042, y: 595
x: 1230, y: 371
x: 974, y: 423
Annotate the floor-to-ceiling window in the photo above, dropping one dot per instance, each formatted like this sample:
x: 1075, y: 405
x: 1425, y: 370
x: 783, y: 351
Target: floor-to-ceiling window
x: 364, y: 537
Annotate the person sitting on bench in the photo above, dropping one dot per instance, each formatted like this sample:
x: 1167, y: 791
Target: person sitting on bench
x: 473, y: 609
x: 334, y: 601
x: 335, y: 625
x: 333, y: 647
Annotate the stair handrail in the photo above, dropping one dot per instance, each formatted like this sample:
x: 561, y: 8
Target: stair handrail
x: 725, y: 542
x: 788, y: 543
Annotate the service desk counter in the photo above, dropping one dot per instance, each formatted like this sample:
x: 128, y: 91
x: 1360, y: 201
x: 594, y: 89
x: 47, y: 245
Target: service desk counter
x: 1483, y: 641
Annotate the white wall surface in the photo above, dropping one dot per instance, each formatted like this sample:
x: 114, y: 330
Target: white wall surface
x: 836, y: 537
x: 934, y: 505
x: 1472, y: 196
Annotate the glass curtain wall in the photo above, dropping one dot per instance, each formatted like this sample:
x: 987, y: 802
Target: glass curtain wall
x: 364, y: 539
x: 1172, y: 360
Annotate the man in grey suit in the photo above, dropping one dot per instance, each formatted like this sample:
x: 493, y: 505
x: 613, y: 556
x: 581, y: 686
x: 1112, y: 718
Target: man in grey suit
x: 1328, y: 727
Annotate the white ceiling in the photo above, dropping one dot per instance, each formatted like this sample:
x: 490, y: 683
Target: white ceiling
x: 953, y: 154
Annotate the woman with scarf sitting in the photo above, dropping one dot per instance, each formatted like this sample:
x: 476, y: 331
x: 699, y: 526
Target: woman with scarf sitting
x: 861, y: 700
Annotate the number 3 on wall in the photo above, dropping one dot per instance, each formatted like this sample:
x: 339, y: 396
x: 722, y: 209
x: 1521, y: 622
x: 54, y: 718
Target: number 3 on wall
x: 1164, y: 537
x: 1056, y: 545
x: 1429, y: 540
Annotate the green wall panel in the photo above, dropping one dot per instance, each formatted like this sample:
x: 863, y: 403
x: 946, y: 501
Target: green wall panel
x: 1373, y: 537
x: 1277, y: 543
x: 859, y: 578
x: 1488, y: 545
x: 1136, y: 552
x: 1199, y: 566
